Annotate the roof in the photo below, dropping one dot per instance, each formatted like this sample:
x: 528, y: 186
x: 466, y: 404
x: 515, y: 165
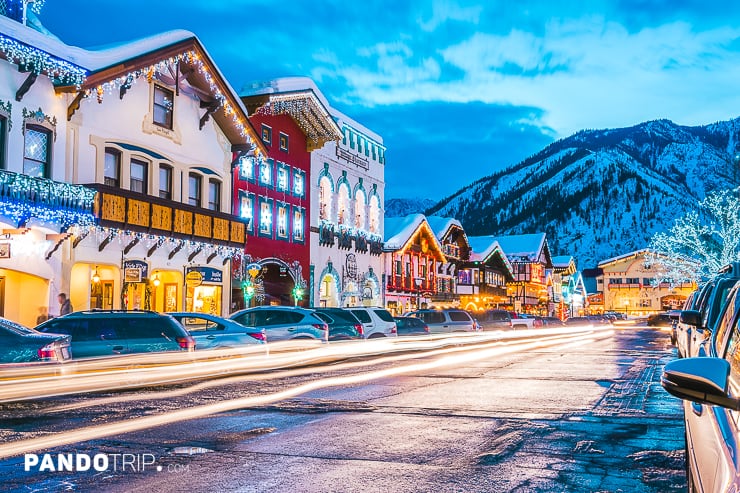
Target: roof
x: 441, y: 225
x: 625, y: 256
x: 177, y: 55
x: 486, y: 247
x: 301, y: 99
x: 525, y: 248
x: 398, y: 230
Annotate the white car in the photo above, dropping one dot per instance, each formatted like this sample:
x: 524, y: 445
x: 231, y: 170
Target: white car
x: 376, y: 322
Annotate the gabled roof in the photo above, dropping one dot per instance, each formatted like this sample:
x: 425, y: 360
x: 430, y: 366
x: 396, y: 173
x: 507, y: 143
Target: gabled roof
x: 625, y: 256
x: 564, y: 264
x: 300, y: 98
x: 526, y: 247
x: 177, y: 56
x: 441, y: 225
x: 487, y: 247
x: 400, y: 230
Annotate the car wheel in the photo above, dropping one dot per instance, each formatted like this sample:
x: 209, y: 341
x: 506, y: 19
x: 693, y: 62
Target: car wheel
x: 376, y: 335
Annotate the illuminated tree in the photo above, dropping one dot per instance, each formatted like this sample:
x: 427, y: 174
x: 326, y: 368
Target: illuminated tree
x: 702, y: 241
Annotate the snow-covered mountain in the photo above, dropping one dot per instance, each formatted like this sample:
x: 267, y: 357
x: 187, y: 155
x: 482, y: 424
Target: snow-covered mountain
x: 404, y: 207
x: 601, y: 193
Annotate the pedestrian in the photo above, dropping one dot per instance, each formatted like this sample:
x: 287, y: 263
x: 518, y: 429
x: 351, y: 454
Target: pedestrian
x: 65, y: 306
x: 43, y: 315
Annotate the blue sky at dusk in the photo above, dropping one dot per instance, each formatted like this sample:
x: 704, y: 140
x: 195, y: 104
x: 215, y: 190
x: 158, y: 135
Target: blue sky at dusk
x: 457, y: 89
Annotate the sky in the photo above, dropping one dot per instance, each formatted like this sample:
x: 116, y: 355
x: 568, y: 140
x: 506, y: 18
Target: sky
x: 457, y: 89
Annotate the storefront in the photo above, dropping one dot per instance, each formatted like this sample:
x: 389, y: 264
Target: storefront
x: 204, y: 290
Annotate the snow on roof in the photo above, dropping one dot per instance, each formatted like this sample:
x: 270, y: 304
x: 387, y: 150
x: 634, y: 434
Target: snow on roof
x: 441, y: 225
x: 482, y: 247
x: 91, y: 60
x: 295, y: 84
x: 625, y: 256
x: 561, y: 261
x: 525, y: 247
x: 398, y: 230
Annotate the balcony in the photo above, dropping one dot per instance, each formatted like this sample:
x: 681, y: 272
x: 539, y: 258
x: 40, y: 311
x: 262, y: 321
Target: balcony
x: 138, y: 212
x: 23, y: 197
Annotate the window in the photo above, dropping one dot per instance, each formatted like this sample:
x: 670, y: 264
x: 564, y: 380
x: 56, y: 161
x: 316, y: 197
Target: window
x: 615, y: 280
x: 266, y: 134
x: 138, y: 176
x: 283, y: 142
x: 633, y: 280
x: 282, y: 220
x: 195, y: 184
x: 37, y: 152
x: 299, y: 178
x: 214, y: 195
x: 162, y: 109
x: 374, y: 214
x: 246, y: 168
x: 283, y: 174
x: 165, y: 182
x: 265, y: 226
x: 266, y: 172
x: 246, y: 208
x: 112, y: 168
x: 3, y: 140
x: 325, y: 198
x: 298, y: 214
x: 360, y: 209
x: 343, y: 204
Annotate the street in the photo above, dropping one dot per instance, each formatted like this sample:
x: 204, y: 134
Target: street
x: 580, y: 413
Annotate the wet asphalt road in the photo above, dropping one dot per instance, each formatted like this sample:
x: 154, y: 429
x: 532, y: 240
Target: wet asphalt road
x: 581, y: 418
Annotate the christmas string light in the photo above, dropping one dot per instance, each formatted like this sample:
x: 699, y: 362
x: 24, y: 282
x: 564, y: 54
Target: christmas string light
x: 39, y: 62
x: 306, y: 111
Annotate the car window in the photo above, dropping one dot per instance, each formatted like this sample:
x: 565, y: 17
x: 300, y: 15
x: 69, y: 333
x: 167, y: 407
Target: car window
x: 363, y: 316
x: 197, y: 324
x: 384, y: 315
x: 102, y: 330
x: 246, y: 318
x: 432, y: 317
x: 457, y: 316
x: 733, y: 357
x: 324, y: 317
x: 342, y: 315
x: 726, y: 323
x: 717, y: 302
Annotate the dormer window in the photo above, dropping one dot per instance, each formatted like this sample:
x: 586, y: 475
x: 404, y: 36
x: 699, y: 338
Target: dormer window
x: 162, y: 108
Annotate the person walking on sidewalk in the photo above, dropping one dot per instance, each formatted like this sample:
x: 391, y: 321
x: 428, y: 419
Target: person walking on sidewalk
x: 65, y: 305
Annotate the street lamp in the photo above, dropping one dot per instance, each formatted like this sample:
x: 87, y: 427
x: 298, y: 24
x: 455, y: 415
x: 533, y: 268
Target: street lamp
x: 417, y: 282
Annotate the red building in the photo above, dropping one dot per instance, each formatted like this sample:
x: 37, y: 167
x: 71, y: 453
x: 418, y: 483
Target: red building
x: 273, y: 194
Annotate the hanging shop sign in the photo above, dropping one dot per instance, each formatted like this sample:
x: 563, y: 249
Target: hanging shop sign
x: 207, y: 275
x: 135, y: 270
x: 193, y: 278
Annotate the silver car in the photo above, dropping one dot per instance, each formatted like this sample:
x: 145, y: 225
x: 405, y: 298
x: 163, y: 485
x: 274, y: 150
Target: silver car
x: 284, y: 322
x: 710, y: 388
x: 445, y: 321
x: 213, y: 332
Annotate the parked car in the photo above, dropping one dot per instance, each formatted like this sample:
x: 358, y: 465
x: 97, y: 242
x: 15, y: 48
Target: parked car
x: 708, y: 308
x: 111, y: 332
x: 682, y: 330
x: 213, y: 332
x: 552, y: 321
x: 709, y: 388
x: 284, y: 322
x: 343, y: 324
x: 19, y: 344
x: 525, y: 321
x: 574, y: 321
x: 411, y: 326
x: 494, y: 319
x: 444, y: 321
x: 659, y: 320
x: 376, y: 322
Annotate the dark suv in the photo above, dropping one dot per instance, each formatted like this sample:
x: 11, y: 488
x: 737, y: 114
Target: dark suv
x: 495, y: 319
x: 110, y: 332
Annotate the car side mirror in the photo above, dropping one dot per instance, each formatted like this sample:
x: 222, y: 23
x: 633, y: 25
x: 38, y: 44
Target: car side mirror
x: 703, y: 380
x: 691, y: 317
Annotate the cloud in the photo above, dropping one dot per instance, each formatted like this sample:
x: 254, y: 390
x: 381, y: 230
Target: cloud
x: 445, y: 11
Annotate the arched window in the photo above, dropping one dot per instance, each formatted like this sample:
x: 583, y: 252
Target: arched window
x: 343, y: 204
x: 360, y: 204
x: 325, y: 189
x: 374, y: 214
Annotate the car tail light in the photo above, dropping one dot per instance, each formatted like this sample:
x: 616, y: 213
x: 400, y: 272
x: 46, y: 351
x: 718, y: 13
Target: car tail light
x: 187, y: 343
x: 360, y: 329
x: 260, y: 336
x: 47, y: 352
x: 426, y: 328
x: 394, y: 330
x: 321, y: 326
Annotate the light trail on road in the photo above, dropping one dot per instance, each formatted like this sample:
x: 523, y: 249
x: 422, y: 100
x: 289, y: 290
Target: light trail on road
x: 472, y: 354
x: 148, y: 369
